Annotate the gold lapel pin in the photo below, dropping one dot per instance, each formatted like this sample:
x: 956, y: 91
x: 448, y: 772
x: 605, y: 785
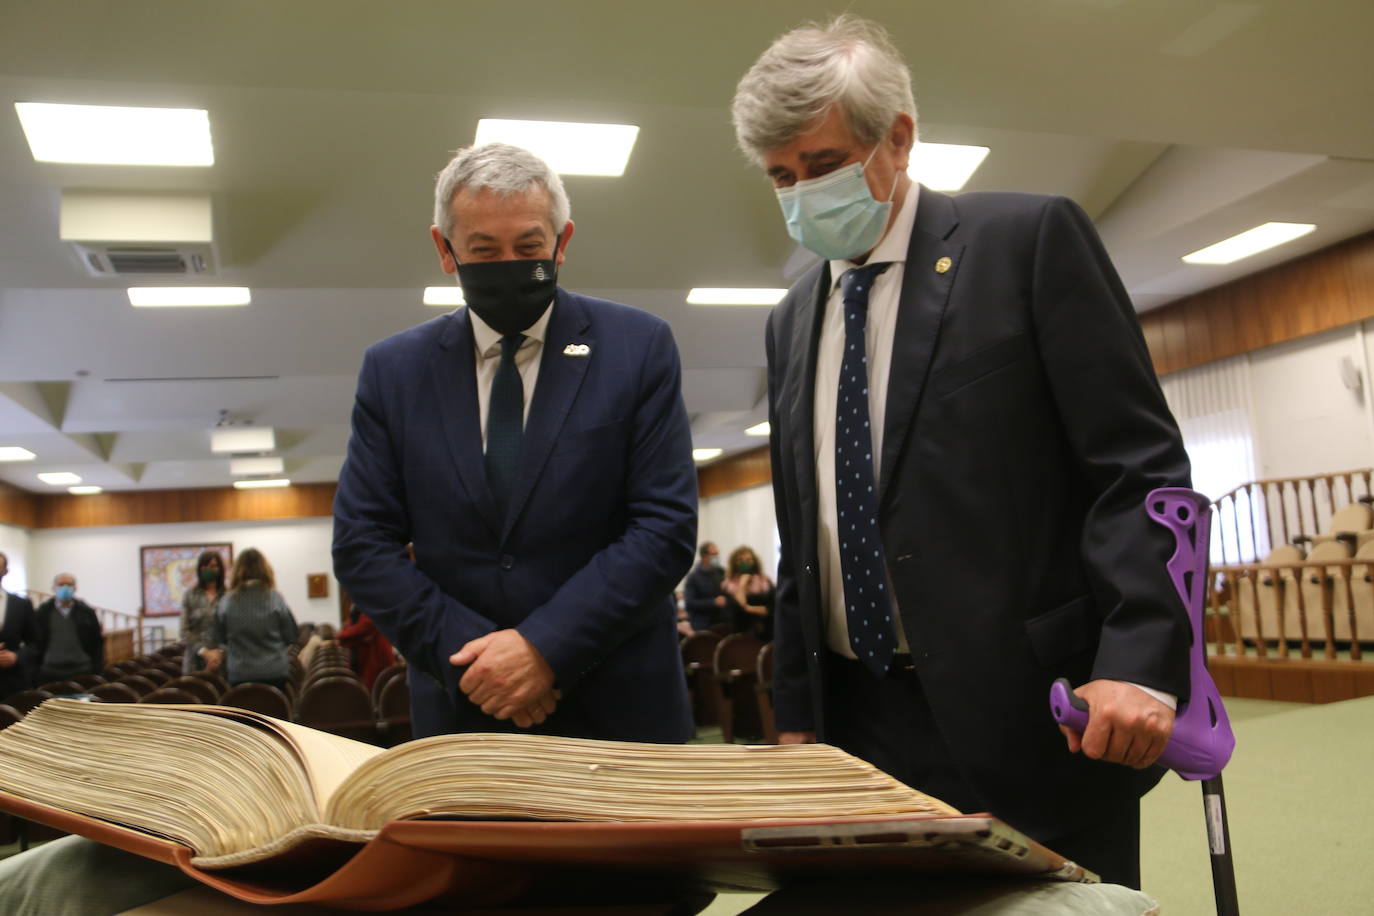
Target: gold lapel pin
x: 943, y: 265
x: 577, y: 350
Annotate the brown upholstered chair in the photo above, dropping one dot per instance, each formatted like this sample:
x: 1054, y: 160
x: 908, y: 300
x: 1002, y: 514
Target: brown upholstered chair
x: 115, y: 693
x: 737, y: 659
x: 25, y: 700
x: 139, y: 684
x: 157, y: 676
x: 393, y: 710
x: 763, y: 694
x: 62, y: 688
x: 171, y: 649
x: 8, y: 716
x: 699, y: 660
x: 170, y: 667
x: 88, y: 681
x: 263, y: 698
x: 340, y: 706
x: 171, y: 695
x: 204, y: 691
x: 113, y: 673
x: 214, y: 678
x: 383, y: 678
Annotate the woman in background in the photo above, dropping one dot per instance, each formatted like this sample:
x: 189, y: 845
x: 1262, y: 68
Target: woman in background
x: 372, y: 654
x: 254, y: 626
x: 748, y: 594
x: 199, y: 605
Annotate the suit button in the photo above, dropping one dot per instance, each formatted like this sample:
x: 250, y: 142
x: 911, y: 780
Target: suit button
x: 808, y: 569
x: 507, y: 561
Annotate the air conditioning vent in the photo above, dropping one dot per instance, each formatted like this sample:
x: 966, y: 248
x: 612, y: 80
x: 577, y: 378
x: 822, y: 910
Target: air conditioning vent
x: 194, y: 260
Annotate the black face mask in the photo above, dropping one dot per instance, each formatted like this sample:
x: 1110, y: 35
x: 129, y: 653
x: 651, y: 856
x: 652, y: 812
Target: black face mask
x: 508, y: 295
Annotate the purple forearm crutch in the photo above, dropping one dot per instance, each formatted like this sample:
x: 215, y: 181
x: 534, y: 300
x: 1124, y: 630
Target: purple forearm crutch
x: 1202, y: 739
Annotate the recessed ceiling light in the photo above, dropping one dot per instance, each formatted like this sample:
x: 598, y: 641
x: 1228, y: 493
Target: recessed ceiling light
x: 444, y: 295
x: 945, y: 166
x: 187, y: 296
x: 759, y: 429
x: 111, y: 135
x: 85, y: 491
x: 261, y: 484
x: 15, y: 453
x: 706, y: 454
x: 242, y: 439
x: 724, y: 295
x: 1250, y: 242
x: 60, y: 478
x: 256, y: 465
x: 570, y: 148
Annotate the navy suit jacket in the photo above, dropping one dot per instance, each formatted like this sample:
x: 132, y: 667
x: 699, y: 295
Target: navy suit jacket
x: 601, y: 527
x: 1023, y: 429
x: 19, y: 635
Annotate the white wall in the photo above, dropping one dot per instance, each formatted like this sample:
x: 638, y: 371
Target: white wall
x: 742, y: 517
x: 105, y: 561
x: 14, y: 544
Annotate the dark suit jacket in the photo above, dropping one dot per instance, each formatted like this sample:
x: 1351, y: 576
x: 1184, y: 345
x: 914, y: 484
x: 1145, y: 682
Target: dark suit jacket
x: 87, y: 632
x: 601, y: 528
x: 19, y: 634
x: 1023, y: 429
x: 699, y: 594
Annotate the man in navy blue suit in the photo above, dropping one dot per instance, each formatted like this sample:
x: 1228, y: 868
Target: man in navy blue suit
x: 535, y: 450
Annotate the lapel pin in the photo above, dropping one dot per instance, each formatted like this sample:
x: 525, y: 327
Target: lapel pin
x: 577, y: 350
x: 943, y: 265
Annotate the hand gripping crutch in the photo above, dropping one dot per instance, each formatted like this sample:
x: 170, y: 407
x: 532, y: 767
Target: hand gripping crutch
x: 1202, y: 739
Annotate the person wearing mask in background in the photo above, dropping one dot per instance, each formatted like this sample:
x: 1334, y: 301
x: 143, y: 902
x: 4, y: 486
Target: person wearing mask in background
x: 69, y: 639
x: 535, y: 449
x: 18, y: 635
x: 748, y: 595
x: 965, y: 427
x: 254, y: 626
x: 701, y: 592
x: 199, y: 605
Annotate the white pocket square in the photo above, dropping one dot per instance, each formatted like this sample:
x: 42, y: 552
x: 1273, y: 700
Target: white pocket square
x: 577, y: 350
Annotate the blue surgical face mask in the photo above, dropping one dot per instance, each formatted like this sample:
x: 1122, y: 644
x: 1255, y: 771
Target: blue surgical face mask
x: 835, y: 215
x: 66, y: 592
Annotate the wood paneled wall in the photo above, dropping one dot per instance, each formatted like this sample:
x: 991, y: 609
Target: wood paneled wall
x: 1323, y: 290
x: 17, y: 507
x: 159, y: 507
x: 737, y: 472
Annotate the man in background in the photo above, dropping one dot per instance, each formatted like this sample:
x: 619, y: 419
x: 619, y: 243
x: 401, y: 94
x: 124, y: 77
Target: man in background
x: 535, y: 449
x: 68, y: 637
x: 17, y: 637
x: 965, y: 426
x: 701, y: 592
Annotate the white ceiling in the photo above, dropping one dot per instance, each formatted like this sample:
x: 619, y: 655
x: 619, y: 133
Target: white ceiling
x: 1174, y: 122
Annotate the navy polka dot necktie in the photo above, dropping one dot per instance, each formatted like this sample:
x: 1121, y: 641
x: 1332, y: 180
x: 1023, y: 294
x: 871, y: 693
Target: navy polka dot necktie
x: 505, y: 423
x: 868, y: 610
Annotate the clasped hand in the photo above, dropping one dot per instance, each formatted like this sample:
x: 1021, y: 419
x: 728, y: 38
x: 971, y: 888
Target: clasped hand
x: 507, y: 678
x: 1125, y: 725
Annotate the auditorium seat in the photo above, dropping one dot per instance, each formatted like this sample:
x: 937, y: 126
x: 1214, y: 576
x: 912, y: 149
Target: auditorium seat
x: 171, y: 695
x: 263, y: 698
x: 157, y: 675
x: 340, y: 706
x: 1259, y: 602
x: 1318, y: 579
x: 115, y: 693
x: 1356, y: 519
x: 1362, y: 592
x: 203, y: 690
x: 699, y: 661
x: 171, y: 649
x: 393, y: 711
x: 62, y: 688
x: 171, y: 668
x: 139, y: 684
x: 8, y: 716
x: 25, y: 700
x: 214, y: 678
x: 383, y: 677
x: 737, y: 659
x: 113, y: 673
x: 317, y: 674
x: 764, y: 689
x: 88, y: 680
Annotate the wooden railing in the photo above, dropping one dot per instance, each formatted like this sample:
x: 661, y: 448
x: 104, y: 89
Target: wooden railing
x: 1293, y: 609
x: 1255, y: 517
x: 126, y: 635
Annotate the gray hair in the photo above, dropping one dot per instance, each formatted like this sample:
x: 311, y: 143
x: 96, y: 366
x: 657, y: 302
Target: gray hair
x: 64, y: 576
x: 504, y: 169
x: 849, y: 62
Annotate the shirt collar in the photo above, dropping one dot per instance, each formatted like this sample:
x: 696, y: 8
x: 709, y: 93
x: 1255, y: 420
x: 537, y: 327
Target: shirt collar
x: 894, y: 243
x: 488, y: 341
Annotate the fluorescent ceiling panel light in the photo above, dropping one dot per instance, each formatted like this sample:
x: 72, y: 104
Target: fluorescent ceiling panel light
x: 705, y: 454
x: 721, y: 295
x: 15, y: 453
x: 759, y: 429
x: 184, y: 296
x: 110, y: 135
x: 238, y: 466
x: 569, y: 148
x: 945, y: 166
x: 1250, y: 242
x: 261, y: 484
x: 60, y: 478
x: 444, y: 295
x: 85, y: 491
x: 242, y: 439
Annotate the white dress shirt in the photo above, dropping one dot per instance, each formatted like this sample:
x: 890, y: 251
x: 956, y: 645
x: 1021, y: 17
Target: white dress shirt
x: 487, y: 346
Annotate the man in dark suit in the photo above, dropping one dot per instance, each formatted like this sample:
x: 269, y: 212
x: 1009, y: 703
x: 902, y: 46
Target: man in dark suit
x: 701, y: 592
x: 535, y: 449
x: 17, y: 637
x: 965, y: 425
x: 68, y: 640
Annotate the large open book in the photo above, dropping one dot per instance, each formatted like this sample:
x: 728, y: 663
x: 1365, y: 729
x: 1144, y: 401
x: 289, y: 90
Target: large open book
x: 231, y: 795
